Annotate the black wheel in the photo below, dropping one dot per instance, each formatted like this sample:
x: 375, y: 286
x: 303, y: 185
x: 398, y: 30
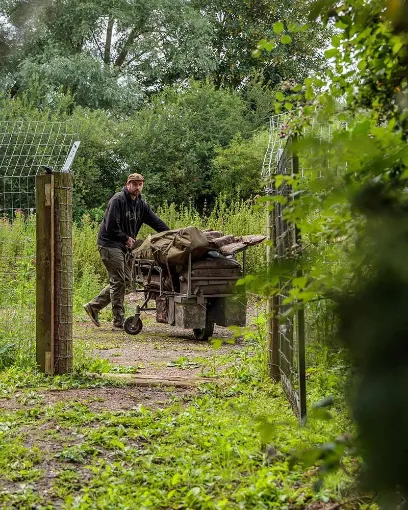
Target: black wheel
x: 131, y: 328
x: 204, y: 333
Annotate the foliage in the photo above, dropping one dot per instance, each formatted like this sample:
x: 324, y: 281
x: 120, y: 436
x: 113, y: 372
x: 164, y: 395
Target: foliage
x: 239, y: 25
x: 237, y: 167
x: 350, y: 206
x: 17, y: 267
x: 106, y: 55
x: 173, y: 141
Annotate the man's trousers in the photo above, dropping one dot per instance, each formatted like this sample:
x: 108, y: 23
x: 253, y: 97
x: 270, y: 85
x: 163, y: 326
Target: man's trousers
x: 118, y: 263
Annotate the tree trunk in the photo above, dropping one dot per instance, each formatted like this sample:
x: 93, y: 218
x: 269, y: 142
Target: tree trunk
x: 125, y: 49
x: 108, y: 40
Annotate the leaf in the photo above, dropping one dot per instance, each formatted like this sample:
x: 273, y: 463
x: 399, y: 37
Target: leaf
x: 278, y: 27
x: 269, y: 46
x: 333, y: 52
x: 309, y: 94
x: 286, y: 39
x: 336, y: 41
x: 362, y: 65
x: 279, y: 96
x: 216, y: 343
x: 266, y: 429
x: 397, y: 46
x: 318, y: 7
x: 300, y: 282
x: 176, y: 479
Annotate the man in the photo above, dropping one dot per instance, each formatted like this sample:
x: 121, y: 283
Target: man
x: 124, y: 216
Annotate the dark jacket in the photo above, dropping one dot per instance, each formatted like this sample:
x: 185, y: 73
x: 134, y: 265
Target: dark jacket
x: 124, y: 218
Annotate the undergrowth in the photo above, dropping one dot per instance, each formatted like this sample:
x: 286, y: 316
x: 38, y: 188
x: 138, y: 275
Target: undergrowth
x: 17, y: 266
x: 229, y: 445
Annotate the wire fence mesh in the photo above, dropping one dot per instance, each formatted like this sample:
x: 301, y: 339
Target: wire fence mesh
x: 289, y: 322
x: 64, y: 278
x: 28, y: 149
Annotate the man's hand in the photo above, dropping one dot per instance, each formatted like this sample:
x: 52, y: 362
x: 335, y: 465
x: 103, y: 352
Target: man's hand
x: 130, y: 242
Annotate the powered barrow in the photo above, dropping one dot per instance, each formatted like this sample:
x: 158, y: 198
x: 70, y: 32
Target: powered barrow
x: 195, y: 295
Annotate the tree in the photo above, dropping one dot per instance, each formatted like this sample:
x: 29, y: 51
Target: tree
x: 173, y: 140
x: 237, y: 168
x: 106, y: 53
x: 240, y: 24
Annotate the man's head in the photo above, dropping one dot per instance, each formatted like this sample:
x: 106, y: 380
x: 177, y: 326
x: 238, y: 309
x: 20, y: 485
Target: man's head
x: 134, y: 185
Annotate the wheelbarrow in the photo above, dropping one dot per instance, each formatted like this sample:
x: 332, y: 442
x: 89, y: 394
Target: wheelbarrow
x: 195, y: 297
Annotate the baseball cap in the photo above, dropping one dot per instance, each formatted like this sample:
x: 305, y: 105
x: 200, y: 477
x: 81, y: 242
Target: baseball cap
x: 135, y: 177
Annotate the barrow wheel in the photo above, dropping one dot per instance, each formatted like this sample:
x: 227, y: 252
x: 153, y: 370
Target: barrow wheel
x: 204, y: 333
x: 131, y: 328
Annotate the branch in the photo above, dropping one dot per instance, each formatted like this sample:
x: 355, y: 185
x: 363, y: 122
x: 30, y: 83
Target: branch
x: 97, y: 44
x: 135, y: 57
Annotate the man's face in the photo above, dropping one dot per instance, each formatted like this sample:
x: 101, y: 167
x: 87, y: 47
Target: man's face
x: 134, y: 188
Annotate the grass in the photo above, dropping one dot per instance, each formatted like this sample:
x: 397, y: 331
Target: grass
x: 227, y: 446
x: 17, y: 267
x: 207, y: 450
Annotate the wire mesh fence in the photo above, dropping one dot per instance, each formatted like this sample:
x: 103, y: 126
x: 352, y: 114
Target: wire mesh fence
x: 28, y: 149
x: 288, y: 322
x: 64, y: 278
x: 286, y: 326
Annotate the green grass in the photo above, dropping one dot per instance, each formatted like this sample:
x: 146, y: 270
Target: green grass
x: 208, y: 450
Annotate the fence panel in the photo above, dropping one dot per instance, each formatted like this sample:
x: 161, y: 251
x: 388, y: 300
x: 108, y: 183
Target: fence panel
x: 287, y: 326
x: 28, y: 150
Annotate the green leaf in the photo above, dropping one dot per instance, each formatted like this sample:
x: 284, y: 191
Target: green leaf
x: 294, y: 27
x: 300, y: 282
x: 333, y: 52
x: 309, y: 94
x: 279, y: 96
x: 362, y: 65
x: 216, y: 343
x: 318, y: 7
x: 278, y: 27
x: 397, y: 46
x: 336, y: 41
x: 286, y: 39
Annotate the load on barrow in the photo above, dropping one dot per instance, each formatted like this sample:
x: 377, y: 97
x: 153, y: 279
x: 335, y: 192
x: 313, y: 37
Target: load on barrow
x: 191, y: 274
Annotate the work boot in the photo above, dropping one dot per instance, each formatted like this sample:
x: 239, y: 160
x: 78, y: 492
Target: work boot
x: 118, y: 324
x: 93, y: 315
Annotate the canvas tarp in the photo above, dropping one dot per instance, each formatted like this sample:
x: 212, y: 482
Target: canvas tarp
x: 174, y: 246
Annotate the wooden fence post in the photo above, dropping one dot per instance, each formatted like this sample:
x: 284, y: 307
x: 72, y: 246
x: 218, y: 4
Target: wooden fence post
x: 273, y: 324
x: 54, y: 290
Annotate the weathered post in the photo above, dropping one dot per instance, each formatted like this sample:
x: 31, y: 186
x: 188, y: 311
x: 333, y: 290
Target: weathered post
x: 54, y: 291
x: 272, y: 309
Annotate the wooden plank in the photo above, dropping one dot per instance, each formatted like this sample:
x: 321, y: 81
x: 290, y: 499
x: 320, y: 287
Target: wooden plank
x: 45, y: 273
